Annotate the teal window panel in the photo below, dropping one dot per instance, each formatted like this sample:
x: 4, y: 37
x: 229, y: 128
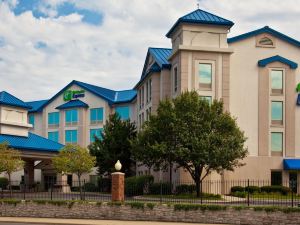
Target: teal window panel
x: 123, y: 112
x: 53, y: 118
x: 277, y: 111
x: 31, y: 119
x: 277, y: 141
x: 205, y: 73
x: 96, y: 115
x: 95, y: 133
x: 71, y: 136
x: 277, y: 79
x: 72, y: 116
x: 53, y: 136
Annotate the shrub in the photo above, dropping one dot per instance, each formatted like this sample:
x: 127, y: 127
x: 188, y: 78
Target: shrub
x: 3, y: 183
x: 252, y: 189
x: 239, y: 194
x: 90, y: 187
x: 137, y: 185
x: 276, y: 189
x: 237, y: 188
x: 104, y: 184
x: 160, y: 188
x: 185, y: 189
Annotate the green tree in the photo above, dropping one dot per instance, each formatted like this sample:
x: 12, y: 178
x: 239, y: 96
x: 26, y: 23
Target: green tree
x: 114, y: 145
x: 74, y: 159
x: 10, y: 161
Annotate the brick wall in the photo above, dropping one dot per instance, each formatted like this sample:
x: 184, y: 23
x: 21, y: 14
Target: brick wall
x: 158, y: 213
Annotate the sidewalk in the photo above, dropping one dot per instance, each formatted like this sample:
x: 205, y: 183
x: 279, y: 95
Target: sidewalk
x: 81, y: 221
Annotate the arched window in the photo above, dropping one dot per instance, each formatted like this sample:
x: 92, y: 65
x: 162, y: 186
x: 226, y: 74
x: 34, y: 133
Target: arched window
x: 266, y: 41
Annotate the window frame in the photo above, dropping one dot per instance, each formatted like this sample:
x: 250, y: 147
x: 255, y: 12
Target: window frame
x: 71, y: 142
x: 124, y: 106
x: 55, y: 123
x: 92, y: 139
x: 273, y: 121
x: 205, y: 86
x: 282, y: 142
x: 175, y: 79
x: 72, y: 122
x: 31, y: 119
x: 53, y: 132
x: 97, y: 120
x: 273, y: 90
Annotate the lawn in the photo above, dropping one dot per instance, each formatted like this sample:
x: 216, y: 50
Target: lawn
x: 264, y: 195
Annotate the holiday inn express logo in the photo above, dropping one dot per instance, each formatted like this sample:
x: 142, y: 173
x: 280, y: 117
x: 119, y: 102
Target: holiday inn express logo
x: 71, y: 94
x: 298, y: 91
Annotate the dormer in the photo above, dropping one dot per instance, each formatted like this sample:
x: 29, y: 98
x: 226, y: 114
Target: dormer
x: 13, y: 116
x: 200, y: 29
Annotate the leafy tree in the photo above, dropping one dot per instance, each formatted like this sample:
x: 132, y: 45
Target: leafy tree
x: 114, y: 145
x: 10, y: 161
x: 74, y: 159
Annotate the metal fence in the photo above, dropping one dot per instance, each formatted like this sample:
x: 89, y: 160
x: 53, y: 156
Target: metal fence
x: 234, y: 192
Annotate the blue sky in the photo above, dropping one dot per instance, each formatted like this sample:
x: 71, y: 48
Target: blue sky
x: 45, y: 44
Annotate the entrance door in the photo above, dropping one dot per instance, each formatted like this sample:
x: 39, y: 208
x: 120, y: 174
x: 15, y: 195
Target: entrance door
x: 293, y: 178
x: 49, y: 180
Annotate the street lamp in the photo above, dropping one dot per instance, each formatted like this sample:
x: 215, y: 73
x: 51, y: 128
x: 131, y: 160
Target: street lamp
x: 118, y: 166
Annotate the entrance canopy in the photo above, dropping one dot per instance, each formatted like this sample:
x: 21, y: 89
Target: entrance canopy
x: 291, y: 164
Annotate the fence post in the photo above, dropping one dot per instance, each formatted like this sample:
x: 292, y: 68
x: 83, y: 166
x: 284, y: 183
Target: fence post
x: 51, y: 191
x: 201, y: 194
x: 293, y: 193
x: 24, y: 192
x: 84, y: 190
x: 160, y: 196
x: 248, y: 193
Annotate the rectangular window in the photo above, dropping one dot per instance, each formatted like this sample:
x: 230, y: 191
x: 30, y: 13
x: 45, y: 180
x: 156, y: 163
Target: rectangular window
x: 276, y: 178
x: 175, y: 79
x: 147, y: 91
x: 207, y: 98
x: 150, y: 90
x: 140, y: 97
x: 143, y: 96
x: 53, y: 119
x: 277, y: 81
x: 205, y: 75
x: 71, y: 117
x: 123, y: 112
x: 53, y: 136
x: 31, y: 119
x: 277, y: 112
x: 71, y: 136
x: 95, y: 133
x: 276, y: 141
x: 96, y: 115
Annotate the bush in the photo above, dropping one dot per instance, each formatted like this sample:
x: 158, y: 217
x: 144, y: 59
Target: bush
x: 239, y: 194
x: 185, y: 189
x: 252, y: 189
x: 276, y: 189
x: 104, y: 184
x: 160, y: 188
x: 90, y: 187
x: 237, y: 188
x: 137, y: 185
x: 3, y: 183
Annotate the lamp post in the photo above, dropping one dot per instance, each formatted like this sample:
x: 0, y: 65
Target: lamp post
x: 117, y: 192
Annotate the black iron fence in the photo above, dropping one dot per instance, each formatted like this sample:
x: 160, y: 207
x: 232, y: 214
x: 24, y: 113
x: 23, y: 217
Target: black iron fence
x: 234, y: 192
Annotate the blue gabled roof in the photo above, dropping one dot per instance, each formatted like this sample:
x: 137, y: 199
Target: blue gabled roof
x: 73, y: 104
x: 161, y: 58
x: 36, y: 106
x: 267, y: 30
x: 33, y: 142
x: 201, y: 17
x: 8, y: 99
x: 277, y: 58
x: 123, y: 96
x: 291, y: 164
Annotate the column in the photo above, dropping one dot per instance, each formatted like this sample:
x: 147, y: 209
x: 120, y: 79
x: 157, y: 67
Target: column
x: 117, y: 192
x: 29, y: 173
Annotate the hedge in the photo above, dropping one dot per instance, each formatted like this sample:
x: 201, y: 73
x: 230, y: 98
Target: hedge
x: 185, y: 189
x: 3, y: 183
x: 276, y: 188
x: 237, y: 189
x: 160, y: 188
x: 252, y: 189
x: 137, y: 185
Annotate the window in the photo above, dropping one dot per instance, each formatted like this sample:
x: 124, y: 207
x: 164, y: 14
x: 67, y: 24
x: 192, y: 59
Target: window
x: 207, y: 98
x: 205, y: 75
x: 140, y: 97
x: 72, y: 117
x: 96, y: 115
x: 276, y: 178
x: 53, y: 136
x: 276, y: 141
x: 277, y: 81
x: 95, y: 133
x: 71, y: 136
x: 150, y: 90
x: 143, y: 118
x: 143, y: 96
x: 31, y: 119
x: 53, y: 119
x: 266, y: 41
x: 175, y: 79
x: 277, y: 112
x: 147, y: 91
x: 123, y: 112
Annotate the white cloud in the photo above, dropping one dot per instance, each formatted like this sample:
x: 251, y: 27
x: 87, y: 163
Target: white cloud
x: 110, y: 55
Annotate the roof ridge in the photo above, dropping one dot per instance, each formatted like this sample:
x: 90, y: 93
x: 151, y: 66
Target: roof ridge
x: 36, y: 101
x: 205, y: 12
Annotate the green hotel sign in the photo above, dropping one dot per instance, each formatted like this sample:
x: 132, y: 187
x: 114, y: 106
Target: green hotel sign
x: 71, y: 94
x: 298, y: 90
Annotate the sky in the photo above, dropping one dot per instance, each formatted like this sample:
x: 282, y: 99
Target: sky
x: 45, y: 44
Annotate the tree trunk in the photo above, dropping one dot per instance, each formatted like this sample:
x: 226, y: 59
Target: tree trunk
x: 9, y: 184
x: 170, y: 172
x: 197, y: 181
x: 80, y: 188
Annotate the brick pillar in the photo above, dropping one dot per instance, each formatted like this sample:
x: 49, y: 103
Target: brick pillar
x: 117, y: 187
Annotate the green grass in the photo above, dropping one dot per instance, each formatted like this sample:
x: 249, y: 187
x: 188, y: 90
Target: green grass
x: 205, y: 196
x: 263, y: 195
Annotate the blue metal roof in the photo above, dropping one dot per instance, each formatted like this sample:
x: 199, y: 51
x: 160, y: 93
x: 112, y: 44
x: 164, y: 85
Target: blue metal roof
x: 73, y: 104
x: 36, y: 106
x: 160, y: 56
x: 201, y: 17
x: 277, y: 58
x: 32, y: 142
x: 291, y: 164
x: 8, y: 99
x: 265, y: 29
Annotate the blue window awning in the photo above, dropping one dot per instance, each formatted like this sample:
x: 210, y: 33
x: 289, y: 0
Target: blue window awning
x: 291, y: 164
